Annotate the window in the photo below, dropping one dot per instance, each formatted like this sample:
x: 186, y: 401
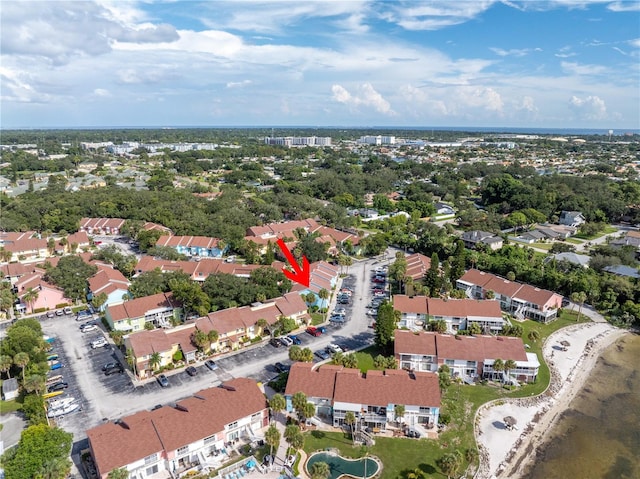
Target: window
x: 210, y: 439
x: 449, y: 362
x: 151, y: 458
x: 233, y: 425
x: 255, y: 416
x: 183, y: 450
x: 151, y: 470
x: 425, y: 410
x: 471, y: 364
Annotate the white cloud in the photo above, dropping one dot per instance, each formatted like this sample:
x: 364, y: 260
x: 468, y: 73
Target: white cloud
x: 635, y: 42
x: 101, y: 92
x: 589, y: 108
x: 434, y: 15
x: 578, y: 69
x: 366, y: 96
x: 514, y: 52
x: 528, y: 104
x: 238, y: 84
x: 627, y: 6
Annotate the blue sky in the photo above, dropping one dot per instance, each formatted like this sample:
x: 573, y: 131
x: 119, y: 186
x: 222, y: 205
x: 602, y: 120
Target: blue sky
x: 542, y: 64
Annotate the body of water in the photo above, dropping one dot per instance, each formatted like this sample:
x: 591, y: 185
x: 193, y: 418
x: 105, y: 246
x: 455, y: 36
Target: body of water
x: 598, y: 437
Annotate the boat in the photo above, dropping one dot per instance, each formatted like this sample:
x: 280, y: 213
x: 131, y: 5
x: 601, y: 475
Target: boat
x: 58, y: 403
x: 61, y: 411
x: 54, y: 379
x: 52, y: 357
x: 48, y: 339
x: 52, y: 394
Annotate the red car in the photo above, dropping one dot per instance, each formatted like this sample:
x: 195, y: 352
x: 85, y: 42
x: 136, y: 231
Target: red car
x: 313, y: 331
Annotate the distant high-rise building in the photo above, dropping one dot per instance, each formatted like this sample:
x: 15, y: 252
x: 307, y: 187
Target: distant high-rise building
x: 289, y: 141
x: 377, y: 140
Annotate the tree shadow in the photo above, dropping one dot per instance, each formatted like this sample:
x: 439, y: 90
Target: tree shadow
x: 318, y: 434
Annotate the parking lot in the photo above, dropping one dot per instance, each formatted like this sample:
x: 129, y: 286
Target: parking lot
x: 117, y: 395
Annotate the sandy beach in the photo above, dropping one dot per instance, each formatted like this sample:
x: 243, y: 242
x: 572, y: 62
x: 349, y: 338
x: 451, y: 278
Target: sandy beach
x: 504, y: 453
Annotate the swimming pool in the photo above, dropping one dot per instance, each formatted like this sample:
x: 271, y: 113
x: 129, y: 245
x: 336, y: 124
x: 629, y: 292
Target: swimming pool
x: 339, y: 465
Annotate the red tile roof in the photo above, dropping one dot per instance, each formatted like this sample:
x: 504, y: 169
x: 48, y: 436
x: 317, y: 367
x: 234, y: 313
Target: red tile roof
x: 317, y: 383
x: 405, y: 304
x: 479, y: 348
x: 409, y: 342
x: 417, y: 265
x: 167, y: 429
x: 137, y: 308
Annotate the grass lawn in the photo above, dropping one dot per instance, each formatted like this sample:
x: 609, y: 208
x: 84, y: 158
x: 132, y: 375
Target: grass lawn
x: 399, y: 456
x: 573, y: 241
x: 460, y: 402
x: 608, y: 230
x: 544, y: 246
x: 317, y: 318
x: 7, y: 407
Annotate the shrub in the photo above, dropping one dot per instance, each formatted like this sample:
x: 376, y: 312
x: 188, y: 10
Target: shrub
x: 178, y: 356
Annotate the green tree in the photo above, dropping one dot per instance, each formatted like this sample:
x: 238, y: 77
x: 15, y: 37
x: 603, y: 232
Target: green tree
x: 498, y: 366
x: 444, y: 377
x: 306, y: 355
x: 385, y: 325
x: 277, y: 403
x: 350, y: 361
x: 432, y: 279
x: 154, y: 360
x: 121, y: 473
x: 475, y: 328
x: 38, y: 445
x: 579, y: 298
x: 320, y: 470
x: 350, y: 420
x: 509, y: 365
x: 71, y: 274
x: 34, y: 383
x: 54, y: 468
x: 98, y: 300
x: 398, y: 411
x: 534, y: 335
x: 439, y: 326
x: 200, y: 339
x: 309, y: 410
x: 30, y: 297
x: 5, y: 364
x: 212, y: 336
x: 323, y: 294
x: 272, y: 437
x: 33, y: 408
x: 450, y: 463
x: 299, y: 401
x: 21, y: 360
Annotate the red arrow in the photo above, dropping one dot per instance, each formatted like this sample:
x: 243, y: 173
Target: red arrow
x: 301, y: 275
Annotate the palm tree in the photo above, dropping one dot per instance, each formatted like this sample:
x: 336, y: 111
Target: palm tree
x: 155, y: 360
x: 54, y: 468
x: 320, y: 470
x: 277, y: 403
x: 306, y: 355
x: 272, y: 437
x: 31, y: 296
x: 121, y: 473
x: 498, y: 365
x: 579, y: 297
x: 398, y: 411
x: 309, y: 298
x: 200, y: 339
x: 450, y: 463
x: 290, y: 433
x: 298, y: 400
x: 309, y: 410
x: 5, y: 364
x: 212, y: 336
x: 5, y: 256
x: 33, y: 383
x: 21, y: 360
x: 323, y: 294
x: 509, y: 365
x: 261, y: 324
x: 534, y: 335
x: 350, y: 420
x: 350, y: 361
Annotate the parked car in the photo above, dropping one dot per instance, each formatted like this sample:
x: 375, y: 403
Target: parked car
x: 340, y: 311
x: 156, y: 407
x: 67, y: 310
x: 313, y: 331
x: 85, y: 328
x: 110, y: 365
x: 163, y: 381
x: 323, y: 354
x: 50, y: 314
x: 211, y: 364
x: 191, y: 371
x: 113, y: 369
x: 83, y: 315
x: 55, y: 365
x: 57, y: 387
x: 281, y: 368
x: 286, y: 341
x: 334, y: 348
x: 295, y: 339
x: 275, y: 342
x: 337, y: 319
x: 413, y: 433
x: 99, y: 343
x: 59, y: 312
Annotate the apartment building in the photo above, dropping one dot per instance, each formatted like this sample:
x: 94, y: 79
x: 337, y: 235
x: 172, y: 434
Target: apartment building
x: 158, y: 309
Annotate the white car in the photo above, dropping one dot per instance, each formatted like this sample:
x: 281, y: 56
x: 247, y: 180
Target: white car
x: 286, y: 341
x: 340, y: 312
x: 334, y: 348
x: 85, y: 328
x: 98, y: 343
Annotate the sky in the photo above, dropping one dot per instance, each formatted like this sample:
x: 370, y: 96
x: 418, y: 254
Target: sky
x: 358, y: 63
